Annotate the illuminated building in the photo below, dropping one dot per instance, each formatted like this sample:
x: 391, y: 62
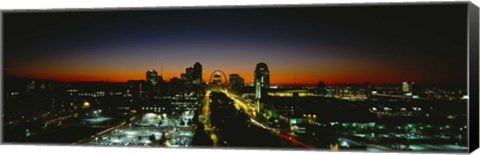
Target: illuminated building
x: 407, y: 88
x: 152, y: 76
x: 153, y: 85
x: 261, y: 80
x: 261, y: 83
x: 31, y: 86
x: 134, y: 90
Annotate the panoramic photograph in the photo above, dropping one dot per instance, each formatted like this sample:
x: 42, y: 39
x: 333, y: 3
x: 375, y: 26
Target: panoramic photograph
x: 338, y: 78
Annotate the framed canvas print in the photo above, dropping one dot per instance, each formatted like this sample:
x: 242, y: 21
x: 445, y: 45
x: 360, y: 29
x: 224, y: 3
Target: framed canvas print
x: 399, y: 77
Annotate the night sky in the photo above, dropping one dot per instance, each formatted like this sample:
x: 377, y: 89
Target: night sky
x: 335, y: 44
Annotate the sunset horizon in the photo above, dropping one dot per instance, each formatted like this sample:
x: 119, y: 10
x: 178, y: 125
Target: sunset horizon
x: 339, y: 78
x: 311, y: 46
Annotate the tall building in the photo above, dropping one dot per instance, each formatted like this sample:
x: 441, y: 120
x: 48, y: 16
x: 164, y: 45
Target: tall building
x: 236, y: 81
x: 134, y: 92
x: 152, y: 76
x: 153, y: 85
x: 193, y: 75
x: 407, y: 88
x: 261, y: 80
x: 197, y: 73
x: 189, y: 72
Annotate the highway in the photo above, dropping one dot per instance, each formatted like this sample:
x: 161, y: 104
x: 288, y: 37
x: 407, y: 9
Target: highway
x: 206, y: 121
x: 254, y: 120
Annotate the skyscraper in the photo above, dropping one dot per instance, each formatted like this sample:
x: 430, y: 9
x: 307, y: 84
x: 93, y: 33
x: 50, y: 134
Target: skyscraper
x: 261, y: 80
x: 152, y: 86
x: 189, y: 72
x: 236, y: 81
x: 197, y: 73
x: 407, y: 88
x: 152, y: 76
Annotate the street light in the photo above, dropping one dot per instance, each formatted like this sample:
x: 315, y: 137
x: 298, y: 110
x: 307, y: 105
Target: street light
x: 86, y: 105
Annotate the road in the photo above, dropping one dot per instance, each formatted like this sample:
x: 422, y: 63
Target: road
x: 254, y: 120
x: 206, y: 121
x: 56, y: 120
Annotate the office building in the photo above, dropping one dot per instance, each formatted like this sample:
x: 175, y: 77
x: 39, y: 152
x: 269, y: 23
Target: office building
x: 236, y: 81
x: 197, y: 74
x: 152, y: 76
x: 407, y: 88
x: 261, y: 80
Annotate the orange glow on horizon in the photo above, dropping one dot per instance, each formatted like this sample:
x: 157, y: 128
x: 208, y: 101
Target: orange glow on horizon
x: 275, y: 78
x: 304, y: 75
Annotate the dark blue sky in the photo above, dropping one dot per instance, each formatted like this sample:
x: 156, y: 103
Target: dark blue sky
x: 425, y: 43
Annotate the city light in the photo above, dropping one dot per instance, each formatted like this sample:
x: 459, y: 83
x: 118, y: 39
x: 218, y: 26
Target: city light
x: 86, y: 105
x: 287, y: 113
x: 300, y: 77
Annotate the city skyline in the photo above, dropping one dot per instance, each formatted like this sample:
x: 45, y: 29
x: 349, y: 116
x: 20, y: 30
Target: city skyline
x: 377, y: 78
x: 306, y: 47
x: 207, y: 73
